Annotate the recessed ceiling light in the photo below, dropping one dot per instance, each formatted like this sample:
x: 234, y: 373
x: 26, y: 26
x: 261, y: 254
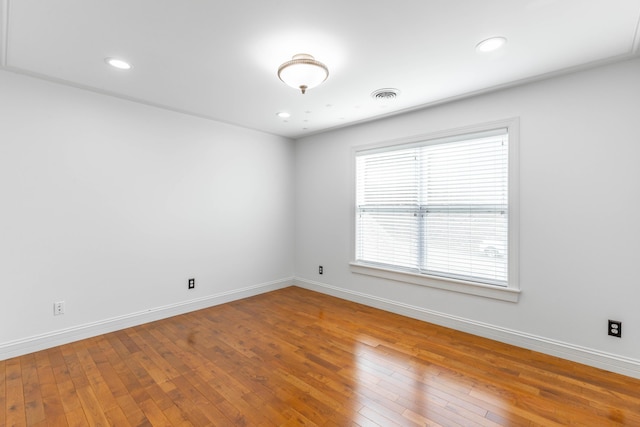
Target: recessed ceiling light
x: 283, y: 115
x: 118, y: 63
x: 491, y: 44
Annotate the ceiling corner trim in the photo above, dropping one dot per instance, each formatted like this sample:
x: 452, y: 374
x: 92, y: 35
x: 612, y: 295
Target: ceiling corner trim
x: 4, y: 31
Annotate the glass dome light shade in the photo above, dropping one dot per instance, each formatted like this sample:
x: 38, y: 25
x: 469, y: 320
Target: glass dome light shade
x: 303, y: 72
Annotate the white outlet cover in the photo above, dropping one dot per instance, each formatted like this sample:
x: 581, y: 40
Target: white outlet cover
x: 58, y: 308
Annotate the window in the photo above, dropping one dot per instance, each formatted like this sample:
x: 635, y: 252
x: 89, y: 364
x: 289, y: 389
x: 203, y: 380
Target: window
x: 440, y: 208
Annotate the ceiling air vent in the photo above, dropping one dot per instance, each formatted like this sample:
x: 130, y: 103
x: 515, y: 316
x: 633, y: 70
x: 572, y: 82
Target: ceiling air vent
x: 385, y: 94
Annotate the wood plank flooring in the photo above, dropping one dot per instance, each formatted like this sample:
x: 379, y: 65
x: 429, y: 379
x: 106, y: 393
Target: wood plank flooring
x: 294, y: 357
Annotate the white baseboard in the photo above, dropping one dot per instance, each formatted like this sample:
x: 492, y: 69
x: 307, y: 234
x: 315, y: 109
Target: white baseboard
x: 610, y: 362
x: 64, y: 336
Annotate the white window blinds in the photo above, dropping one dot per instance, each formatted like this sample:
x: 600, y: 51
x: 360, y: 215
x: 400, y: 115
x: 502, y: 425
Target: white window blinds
x: 438, y: 207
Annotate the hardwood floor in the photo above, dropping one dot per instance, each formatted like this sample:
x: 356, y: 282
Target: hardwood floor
x: 295, y: 357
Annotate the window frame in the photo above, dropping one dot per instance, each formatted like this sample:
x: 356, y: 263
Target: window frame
x: 511, y: 291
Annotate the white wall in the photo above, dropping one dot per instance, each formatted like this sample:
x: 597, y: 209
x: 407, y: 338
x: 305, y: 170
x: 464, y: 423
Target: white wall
x: 111, y: 206
x: 579, y: 222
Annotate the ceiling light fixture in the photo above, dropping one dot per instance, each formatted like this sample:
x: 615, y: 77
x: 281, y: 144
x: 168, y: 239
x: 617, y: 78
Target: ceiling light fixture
x: 303, y: 72
x: 491, y: 44
x: 118, y: 63
x: 283, y: 115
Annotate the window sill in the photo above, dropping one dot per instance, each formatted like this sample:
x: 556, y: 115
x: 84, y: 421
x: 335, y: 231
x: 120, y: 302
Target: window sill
x: 487, y: 291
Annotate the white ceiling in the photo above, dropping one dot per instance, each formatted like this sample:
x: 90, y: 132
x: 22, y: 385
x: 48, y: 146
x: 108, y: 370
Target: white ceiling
x: 218, y: 59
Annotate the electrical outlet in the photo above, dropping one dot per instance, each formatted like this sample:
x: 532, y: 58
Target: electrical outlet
x: 192, y: 284
x: 58, y: 308
x: 615, y: 328
x: 320, y: 269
